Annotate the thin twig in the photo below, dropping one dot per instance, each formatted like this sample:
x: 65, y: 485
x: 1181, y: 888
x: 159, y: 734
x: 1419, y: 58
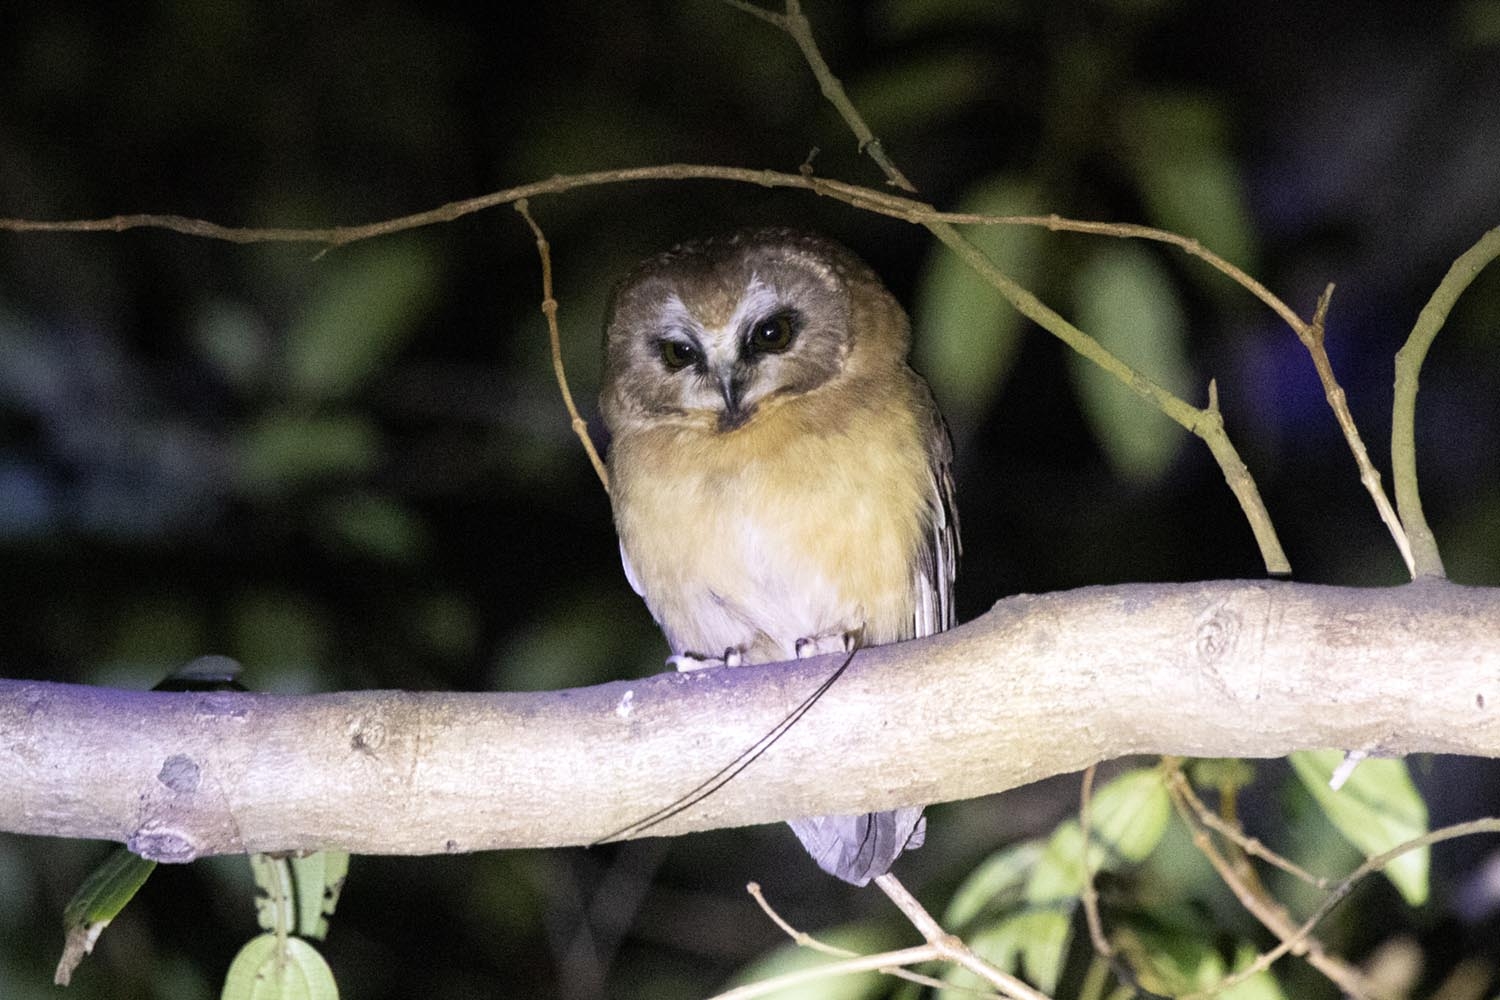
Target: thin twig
x: 1404, y: 410
x: 950, y: 947
x: 1250, y: 845
x: 805, y: 940
x: 1090, y: 894
x: 801, y: 939
x: 335, y: 236
x: 1340, y: 892
x: 1269, y: 912
x: 846, y: 967
x: 549, y: 309
x: 797, y: 25
x: 1312, y: 337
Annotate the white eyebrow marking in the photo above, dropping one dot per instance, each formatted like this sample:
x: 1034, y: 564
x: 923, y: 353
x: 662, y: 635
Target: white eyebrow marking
x: 678, y: 318
x: 760, y: 299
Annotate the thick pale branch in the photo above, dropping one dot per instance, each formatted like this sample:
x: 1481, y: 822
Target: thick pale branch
x: 1038, y: 686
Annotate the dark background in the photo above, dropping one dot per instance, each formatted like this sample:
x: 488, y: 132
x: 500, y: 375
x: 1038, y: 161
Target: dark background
x: 352, y: 470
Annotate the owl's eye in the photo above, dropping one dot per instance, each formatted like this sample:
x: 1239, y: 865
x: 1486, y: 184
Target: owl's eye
x: 773, y: 334
x: 678, y: 354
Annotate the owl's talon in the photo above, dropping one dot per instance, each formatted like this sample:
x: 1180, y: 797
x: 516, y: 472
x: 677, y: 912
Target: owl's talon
x: 831, y: 642
x: 685, y: 662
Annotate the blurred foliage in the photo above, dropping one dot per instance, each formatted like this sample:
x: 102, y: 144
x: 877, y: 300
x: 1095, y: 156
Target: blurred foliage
x: 1126, y: 300
x: 1026, y: 925
x: 1376, y: 809
x: 350, y: 468
x: 973, y: 335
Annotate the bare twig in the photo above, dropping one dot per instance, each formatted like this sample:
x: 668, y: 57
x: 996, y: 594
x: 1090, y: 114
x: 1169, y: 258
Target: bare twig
x: 335, y: 236
x: 549, y: 309
x: 1090, y: 894
x: 1269, y: 912
x: 847, y: 967
x: 951, y: 948
x: 805, y: 940
x: 1340, y: 891
x: 1312, y: 337
x: 801, y: 939
x: 1250, y: 845
x: 1404, y: 411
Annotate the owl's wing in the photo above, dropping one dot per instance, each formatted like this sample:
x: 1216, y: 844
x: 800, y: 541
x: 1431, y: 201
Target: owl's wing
x: 937, y: 558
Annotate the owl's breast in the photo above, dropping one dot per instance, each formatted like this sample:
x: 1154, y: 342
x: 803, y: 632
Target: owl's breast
x: 805, y: 521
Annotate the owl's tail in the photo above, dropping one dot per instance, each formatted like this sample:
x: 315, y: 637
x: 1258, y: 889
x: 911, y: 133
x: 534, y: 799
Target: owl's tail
x: 860, y: 848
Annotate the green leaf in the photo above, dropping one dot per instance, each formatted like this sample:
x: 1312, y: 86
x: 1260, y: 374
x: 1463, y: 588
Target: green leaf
x: 366, y: 305
x: 1221, y: 773
x: 1173, y: 961
x: 966, y: 334
x: 1058, y: 875
x: 235, y: 341
x: 1043, y: 936
x: 275, y: 905
x: 283, y: 450
x: 268, y: 968
x: 108, y: 887
x: 1129, y: 815
x: 1127, y: 302
x: 920, y: 90
x: 1127, y: 819
x: 1377, y: 808
x: 1179, y: 146
x: 298, y: 894
x: 1043, y: 930
x: 997, y: 882
x: 1034, y: 942
x: 318, y: 879
x: 100, y: 898
x: 376, y: 526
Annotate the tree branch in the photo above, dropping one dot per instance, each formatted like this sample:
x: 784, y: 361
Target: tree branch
x: 1040, y: 685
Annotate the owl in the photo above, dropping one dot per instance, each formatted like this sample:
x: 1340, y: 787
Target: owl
x: 780, y: 477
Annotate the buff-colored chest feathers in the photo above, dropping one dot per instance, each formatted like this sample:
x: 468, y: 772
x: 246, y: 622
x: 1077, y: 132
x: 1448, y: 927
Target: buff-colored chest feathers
x: 804, y: 522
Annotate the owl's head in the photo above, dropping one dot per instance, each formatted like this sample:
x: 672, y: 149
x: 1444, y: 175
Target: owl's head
x: 710, y: 331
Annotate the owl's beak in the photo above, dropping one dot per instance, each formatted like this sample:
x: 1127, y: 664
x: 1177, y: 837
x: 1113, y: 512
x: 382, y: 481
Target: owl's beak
x: 732, y: 389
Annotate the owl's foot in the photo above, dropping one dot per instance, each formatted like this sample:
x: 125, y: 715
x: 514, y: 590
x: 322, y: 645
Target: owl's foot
x: 689, y: 661
x: 830, y: 642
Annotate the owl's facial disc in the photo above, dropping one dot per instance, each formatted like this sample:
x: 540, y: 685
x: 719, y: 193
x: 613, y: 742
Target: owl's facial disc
x: 730, y: 366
